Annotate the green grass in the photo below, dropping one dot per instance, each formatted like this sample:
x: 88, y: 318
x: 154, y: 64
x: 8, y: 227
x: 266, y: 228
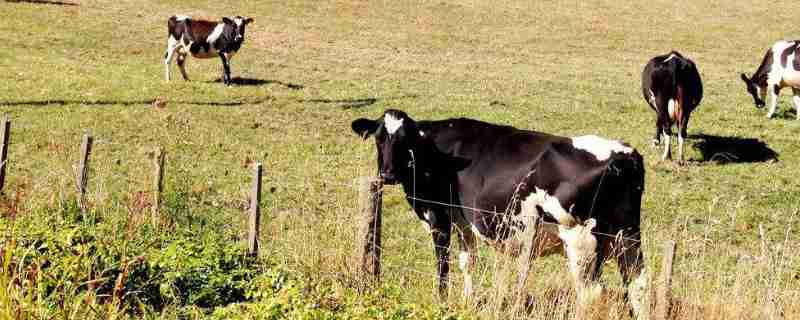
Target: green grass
x: 564, y: 68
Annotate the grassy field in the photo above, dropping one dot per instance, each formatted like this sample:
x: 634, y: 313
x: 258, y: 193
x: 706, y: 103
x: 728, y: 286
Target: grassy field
x: 313, y: 67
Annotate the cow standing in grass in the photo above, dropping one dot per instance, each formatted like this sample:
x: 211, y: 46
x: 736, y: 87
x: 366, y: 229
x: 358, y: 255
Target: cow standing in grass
x: 780, y: 68
x: 204, y: 39
x: 495, y: 182
x: 672, y: 87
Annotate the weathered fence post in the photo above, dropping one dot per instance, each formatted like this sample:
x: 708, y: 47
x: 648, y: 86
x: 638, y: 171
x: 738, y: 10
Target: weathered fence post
x: 4, y: 139
x: 664, y: 290
x: 83, y: 170
x: 370, y: 192
x: 158, y: 183
x: 255, y: 212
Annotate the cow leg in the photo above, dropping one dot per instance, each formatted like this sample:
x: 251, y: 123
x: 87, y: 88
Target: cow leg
x: 796, y: 102
x: 657, y: 137
x: 440, y: 231
x: 466, y: 258
x: 774, y: 90
x: 634, y: 275
x: 172, y: 46
x: 182, y: 65
x: 667, y: 154
x: 581, y: 247
x: 226, y: 69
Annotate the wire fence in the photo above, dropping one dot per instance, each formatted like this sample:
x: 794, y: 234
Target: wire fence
x: 120, y: 169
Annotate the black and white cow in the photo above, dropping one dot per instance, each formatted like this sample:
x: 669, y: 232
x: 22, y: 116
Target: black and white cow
x: 204, y: 39
x: 780, y: 68
x: 495, y: 181
x: 672, y: 87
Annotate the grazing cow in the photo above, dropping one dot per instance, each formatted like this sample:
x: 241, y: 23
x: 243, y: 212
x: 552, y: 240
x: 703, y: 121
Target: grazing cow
x: 204, y: 39
x: 672, y: 87
x: 495, y: 181
x: 780, y: 68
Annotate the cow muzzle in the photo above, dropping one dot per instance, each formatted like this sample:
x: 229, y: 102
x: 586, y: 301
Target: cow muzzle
x: 760, y: 104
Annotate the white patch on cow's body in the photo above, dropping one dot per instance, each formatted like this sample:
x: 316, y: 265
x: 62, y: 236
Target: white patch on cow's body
x: 392, y: 124
x: 421, y: 133
x: 779, y: 76
x: 549, y: 205
x: 601, y: 148
x: 652, y: 97
x: 580, y: 245
x: 671, y: 109
x: 671, y: 55
x: 181, y: 17
x: 216, y: 33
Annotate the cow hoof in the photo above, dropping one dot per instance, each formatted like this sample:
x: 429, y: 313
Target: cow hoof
x: 769, y: 116
x: 655, y: 143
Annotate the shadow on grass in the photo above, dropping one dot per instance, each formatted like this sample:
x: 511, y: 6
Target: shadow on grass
x: 57, y: 3
x: 42, y: 103
x: 238, y: 81
x: 786, y: 114
x: 732, y: 149
x: 355, y: 103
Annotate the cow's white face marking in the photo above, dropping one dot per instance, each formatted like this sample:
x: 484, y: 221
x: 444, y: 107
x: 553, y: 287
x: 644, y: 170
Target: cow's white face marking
x: 181, y: 17
x: 549, y: 204
x: 392, y: 123
x: 601, y: 148
x: 238, y: 21
x: 671, y: 55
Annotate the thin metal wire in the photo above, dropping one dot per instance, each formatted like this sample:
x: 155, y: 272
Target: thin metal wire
x: 495, y: 212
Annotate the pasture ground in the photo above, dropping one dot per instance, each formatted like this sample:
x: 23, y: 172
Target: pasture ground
x: 308, y: 68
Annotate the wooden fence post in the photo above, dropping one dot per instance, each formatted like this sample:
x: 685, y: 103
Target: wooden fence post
x: 158, y: 183
x: 4, y: 139
x: 83, y: 170
x: 664, y: 290
x: 255, y: 211
x: 370, y: 191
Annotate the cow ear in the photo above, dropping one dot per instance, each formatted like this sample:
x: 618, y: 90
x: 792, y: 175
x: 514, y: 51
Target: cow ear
x: 248, y: 20
x: 745, y: 79
x: 364, y: 127
x: 226, y: 20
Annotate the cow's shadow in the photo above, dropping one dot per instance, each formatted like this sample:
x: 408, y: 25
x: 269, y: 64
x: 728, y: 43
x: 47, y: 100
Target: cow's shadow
x: 732, y: 149
x: 239, y: 81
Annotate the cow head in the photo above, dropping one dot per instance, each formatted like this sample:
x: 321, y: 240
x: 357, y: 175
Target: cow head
x: 396, y: 134
x: 757, y: 89
x: 238, y: 23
